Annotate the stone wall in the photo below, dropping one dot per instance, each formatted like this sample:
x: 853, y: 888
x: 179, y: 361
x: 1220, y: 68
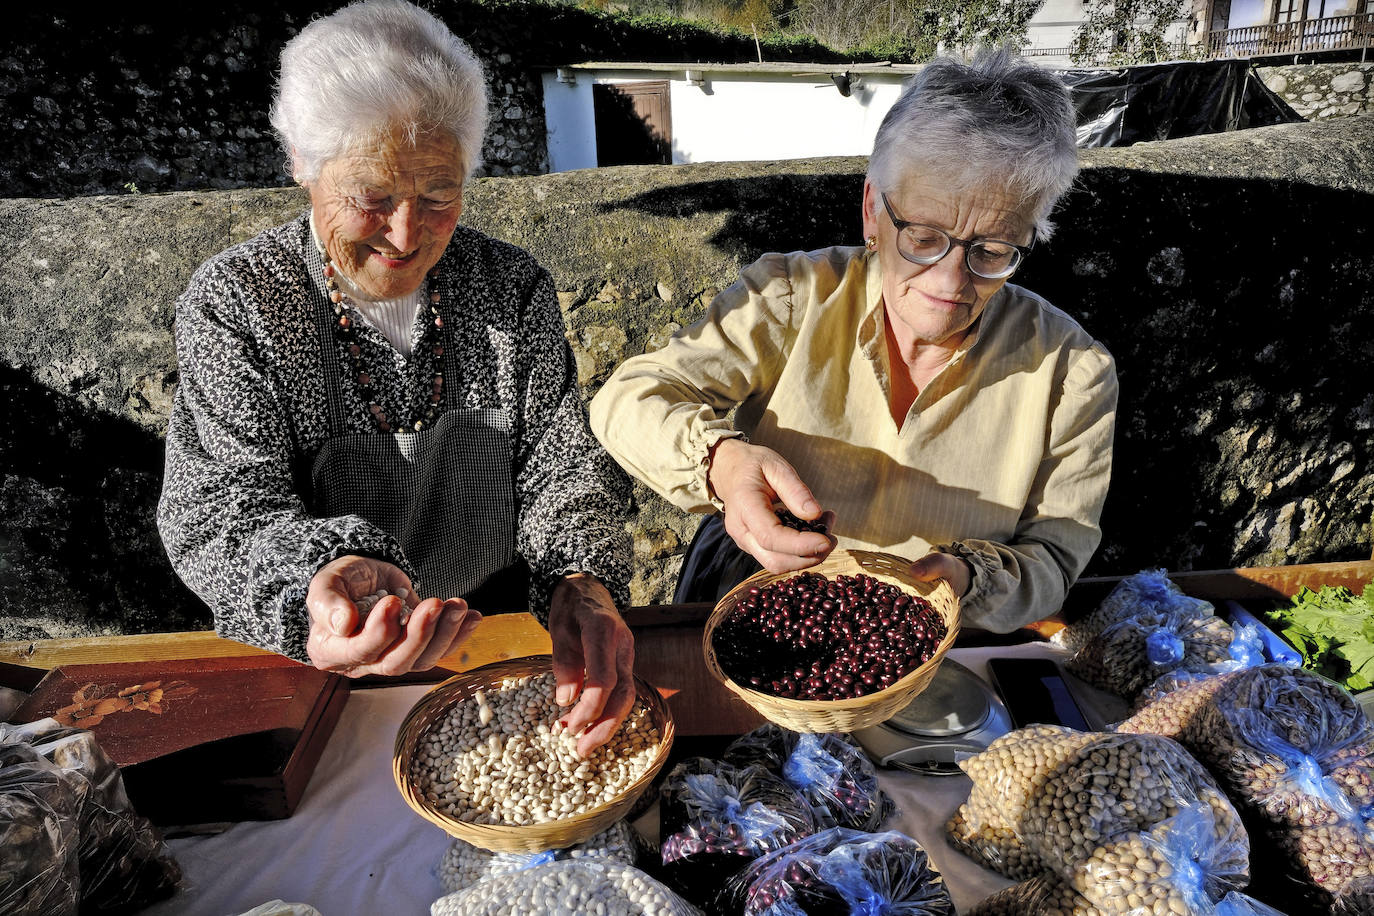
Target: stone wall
x: 1230, y: 275
x: 125, y: 95
x: 1320, y: 91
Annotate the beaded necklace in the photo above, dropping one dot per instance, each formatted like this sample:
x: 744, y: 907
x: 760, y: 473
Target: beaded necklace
x: 345, y: 332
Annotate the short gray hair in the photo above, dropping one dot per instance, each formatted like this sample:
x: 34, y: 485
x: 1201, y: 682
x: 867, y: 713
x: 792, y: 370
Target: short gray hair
x: 372, y: 69
x: 1000, y: 122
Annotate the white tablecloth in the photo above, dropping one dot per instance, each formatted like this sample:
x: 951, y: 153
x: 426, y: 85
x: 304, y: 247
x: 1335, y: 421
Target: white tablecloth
x: 353, y: 847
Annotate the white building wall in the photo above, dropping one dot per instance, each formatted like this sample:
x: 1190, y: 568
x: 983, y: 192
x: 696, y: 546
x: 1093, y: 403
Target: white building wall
x: 1054, y: 23
x: 732, y: 117
x: 742, y: 117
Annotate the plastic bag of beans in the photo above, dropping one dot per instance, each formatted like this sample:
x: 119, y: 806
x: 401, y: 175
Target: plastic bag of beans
x: 840, y: 871
x: 1357, y: 899
x: 1311, y: 869
x: 1128, y: 655
x: 123, y: 863
x: 464, y: 865
x: 38, y: 834
x: 575, y: 887
x: 1079, y: 801
x: 1245, y: 651
x: 715, y: 818
x: 1047, y: 895
x: 1148, y: 591
x: 992, y: 843
x: 1179, y: 713
x: 1179, y: 865
x: 831, y: 772
x: 1287, y: 743
x: 1297, y: 752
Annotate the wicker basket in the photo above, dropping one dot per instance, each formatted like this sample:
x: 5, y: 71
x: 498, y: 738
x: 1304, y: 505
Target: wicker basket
x: 855, y: 712
x: 434, y: 706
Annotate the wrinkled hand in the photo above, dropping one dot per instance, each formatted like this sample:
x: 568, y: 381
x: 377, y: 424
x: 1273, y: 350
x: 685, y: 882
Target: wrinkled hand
x: 934, y: 566
x: 748, y: 479
x: 386, y: 642
x: 593, y: 660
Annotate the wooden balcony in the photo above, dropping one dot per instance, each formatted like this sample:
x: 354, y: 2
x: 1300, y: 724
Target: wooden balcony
x: 1334, y: 33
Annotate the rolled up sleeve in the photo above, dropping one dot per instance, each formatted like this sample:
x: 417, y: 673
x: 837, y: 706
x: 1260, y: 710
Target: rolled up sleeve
x: 660, y: 413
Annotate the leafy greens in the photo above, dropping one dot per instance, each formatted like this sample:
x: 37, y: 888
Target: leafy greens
x: 1334, y: 630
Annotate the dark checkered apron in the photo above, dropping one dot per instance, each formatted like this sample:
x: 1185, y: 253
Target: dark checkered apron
x: 445, y: 493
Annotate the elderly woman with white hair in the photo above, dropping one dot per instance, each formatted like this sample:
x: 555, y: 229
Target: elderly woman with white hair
x: 374, y: 401
x: 902, y: 391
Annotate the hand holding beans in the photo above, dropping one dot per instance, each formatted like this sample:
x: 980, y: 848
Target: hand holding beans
x: 749, y: 479
x: 593, y: 660
x: 394, y: 635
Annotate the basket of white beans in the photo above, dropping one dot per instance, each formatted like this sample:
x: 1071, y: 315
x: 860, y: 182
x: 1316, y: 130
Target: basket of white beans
x: 483, y: 756
x: 576, y: 887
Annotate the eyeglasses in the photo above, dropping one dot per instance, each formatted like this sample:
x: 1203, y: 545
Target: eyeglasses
x: 990, y: 259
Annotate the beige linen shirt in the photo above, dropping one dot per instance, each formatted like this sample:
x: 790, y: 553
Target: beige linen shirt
x: 1003, y: 459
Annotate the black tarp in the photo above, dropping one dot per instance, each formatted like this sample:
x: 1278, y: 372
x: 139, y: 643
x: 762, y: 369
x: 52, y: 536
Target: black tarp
x: 1179, y: 99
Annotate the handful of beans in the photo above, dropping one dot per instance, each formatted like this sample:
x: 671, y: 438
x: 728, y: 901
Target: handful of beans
x: 800, y: 524
x: 814, y: 638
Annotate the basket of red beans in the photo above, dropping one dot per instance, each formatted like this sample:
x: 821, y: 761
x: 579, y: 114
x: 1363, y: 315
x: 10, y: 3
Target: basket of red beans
x: 839, y: 646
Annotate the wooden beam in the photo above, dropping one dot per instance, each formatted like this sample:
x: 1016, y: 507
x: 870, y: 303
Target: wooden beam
x: 497, y: 638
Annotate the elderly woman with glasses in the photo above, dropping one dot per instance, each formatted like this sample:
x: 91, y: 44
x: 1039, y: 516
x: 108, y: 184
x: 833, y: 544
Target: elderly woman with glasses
x: 378, y: 429
x: 903, y: 393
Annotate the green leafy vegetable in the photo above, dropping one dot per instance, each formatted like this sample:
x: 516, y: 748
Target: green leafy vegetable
x: 1334, y: 631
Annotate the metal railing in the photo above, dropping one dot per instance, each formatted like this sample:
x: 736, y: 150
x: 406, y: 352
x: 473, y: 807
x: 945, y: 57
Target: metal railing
x: 1334, y: 33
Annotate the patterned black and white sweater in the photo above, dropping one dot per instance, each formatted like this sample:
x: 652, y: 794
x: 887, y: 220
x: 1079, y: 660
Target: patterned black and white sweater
x: 249, y: 417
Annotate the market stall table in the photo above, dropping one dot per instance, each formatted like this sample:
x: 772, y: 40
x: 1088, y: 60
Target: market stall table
x: 353, y: 846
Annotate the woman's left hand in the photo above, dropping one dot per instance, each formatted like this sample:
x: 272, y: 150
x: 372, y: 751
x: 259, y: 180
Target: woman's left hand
x: 593, y: 660
x: 936, y: 565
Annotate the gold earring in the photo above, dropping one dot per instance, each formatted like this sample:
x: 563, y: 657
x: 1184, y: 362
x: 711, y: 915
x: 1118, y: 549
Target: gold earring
x: 871, y: 243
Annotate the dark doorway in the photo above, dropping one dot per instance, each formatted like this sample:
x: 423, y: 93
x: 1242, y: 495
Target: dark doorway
x: 634, y: 124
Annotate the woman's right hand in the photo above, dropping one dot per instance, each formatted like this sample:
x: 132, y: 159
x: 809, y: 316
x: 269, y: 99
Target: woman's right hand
x: 749, y: 479
x: 397, y: 635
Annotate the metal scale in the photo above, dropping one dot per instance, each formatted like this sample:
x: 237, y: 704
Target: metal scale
x: 957, y: 713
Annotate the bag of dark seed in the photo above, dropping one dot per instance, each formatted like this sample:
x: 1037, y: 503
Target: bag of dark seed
x: 123, y: 864
x: 831, y: 772
x: 838, y: 872
x: 1149, y: 591
x: 38, y: 835
x: 715, y: 818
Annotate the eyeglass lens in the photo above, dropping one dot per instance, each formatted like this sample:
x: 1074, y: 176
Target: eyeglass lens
x: 988, y: 259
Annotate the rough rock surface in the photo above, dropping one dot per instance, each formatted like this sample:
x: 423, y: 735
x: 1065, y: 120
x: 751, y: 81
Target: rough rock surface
x: 1230, y: 275
x: 125, y: 95
x: 1320, y: 91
